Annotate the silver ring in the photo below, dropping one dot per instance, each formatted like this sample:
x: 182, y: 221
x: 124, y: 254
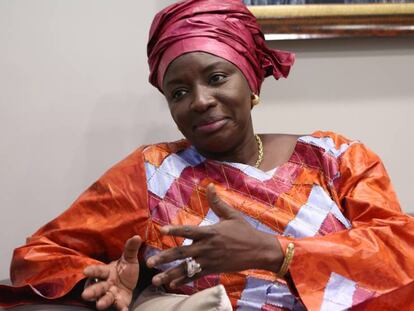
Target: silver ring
x: 91, y: 281
x: 193, y: 267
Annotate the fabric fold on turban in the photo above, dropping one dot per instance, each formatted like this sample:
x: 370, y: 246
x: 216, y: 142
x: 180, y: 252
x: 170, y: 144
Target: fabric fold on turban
x: 224, y: 28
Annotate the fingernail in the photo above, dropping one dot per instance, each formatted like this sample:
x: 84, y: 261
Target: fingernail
x: 165, y: 229
x: 156, y: 280
x: 150, y: 263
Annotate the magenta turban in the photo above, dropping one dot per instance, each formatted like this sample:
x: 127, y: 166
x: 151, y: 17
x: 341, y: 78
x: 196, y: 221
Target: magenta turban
x: 224, y: 28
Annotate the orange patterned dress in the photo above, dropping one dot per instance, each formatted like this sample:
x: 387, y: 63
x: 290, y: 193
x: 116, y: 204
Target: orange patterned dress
x: 354, y: 248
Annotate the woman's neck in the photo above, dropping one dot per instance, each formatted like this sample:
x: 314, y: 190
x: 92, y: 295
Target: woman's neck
x: 278, y: 149
x: 244, y: 152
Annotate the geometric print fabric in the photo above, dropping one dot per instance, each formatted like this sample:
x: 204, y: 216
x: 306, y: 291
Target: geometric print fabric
x: 294, y: 201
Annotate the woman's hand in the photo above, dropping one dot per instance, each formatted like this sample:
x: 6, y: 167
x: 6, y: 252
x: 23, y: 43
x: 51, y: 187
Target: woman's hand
x: 117, y: 279
x: 228, y: 246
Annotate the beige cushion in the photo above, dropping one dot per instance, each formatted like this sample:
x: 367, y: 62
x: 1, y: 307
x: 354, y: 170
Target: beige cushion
x: 210, y: 299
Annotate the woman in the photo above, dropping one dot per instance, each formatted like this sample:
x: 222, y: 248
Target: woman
x: 282, y: 221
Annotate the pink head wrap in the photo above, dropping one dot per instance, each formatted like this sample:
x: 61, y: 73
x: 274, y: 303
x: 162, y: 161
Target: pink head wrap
x: 224, y: 28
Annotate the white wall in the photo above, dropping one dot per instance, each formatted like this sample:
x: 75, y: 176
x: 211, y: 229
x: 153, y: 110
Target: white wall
x: 362, y: 88
x: 74, y: 100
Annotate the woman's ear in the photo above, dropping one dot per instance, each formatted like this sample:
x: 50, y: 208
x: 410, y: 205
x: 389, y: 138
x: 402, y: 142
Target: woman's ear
x: 255, y: 99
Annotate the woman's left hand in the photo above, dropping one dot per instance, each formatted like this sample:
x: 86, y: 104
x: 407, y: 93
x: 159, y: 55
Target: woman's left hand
x: 228, y: 246
x: 117, y: 279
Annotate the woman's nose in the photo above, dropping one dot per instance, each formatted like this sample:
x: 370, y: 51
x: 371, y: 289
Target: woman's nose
x: 203, y: 99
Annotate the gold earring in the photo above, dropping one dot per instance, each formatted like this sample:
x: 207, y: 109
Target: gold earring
x: 255, y: 100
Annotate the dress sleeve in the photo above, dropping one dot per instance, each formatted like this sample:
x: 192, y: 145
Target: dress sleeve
x: 92, y: 231
x: 369, y: 266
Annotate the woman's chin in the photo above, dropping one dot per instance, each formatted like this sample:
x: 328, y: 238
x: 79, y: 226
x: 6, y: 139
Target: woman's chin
x: 216, y: 142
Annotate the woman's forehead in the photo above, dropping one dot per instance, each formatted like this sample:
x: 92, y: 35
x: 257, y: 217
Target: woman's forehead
x: 197, y: 58
x: 196, y: 61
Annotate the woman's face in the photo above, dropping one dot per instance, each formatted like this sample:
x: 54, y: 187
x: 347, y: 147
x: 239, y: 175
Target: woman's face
x: 209, y: 100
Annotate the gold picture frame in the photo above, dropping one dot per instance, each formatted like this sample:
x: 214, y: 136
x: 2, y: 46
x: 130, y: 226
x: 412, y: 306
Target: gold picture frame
x: 317, y: 21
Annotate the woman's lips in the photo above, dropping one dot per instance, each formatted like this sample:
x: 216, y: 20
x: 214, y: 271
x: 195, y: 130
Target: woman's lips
x: 210, y: 127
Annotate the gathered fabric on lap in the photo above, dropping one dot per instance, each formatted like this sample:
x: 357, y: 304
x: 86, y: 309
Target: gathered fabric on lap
x: 333, y: 199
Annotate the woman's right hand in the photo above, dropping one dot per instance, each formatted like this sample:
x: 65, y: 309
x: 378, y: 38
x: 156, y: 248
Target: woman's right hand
x: 117, y: 280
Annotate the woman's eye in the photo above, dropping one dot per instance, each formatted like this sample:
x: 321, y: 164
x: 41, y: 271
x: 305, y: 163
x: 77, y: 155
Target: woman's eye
x: 218, y: 77
x: 176, y: 95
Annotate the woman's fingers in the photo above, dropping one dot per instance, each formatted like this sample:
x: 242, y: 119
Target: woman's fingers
x: 106, y: 296
x: 97, y: 271
x: 184, y: 279
x: 219, y: 207
x: 106, y: 301
x: 118, y: 279
x: 181, y: 281
x: 95, y: 291
x: 177, y: 276
x: 189, y: 232
x: 131, y: 249
x: 114, y: 296
x: 170, y: 255
x: 181, y: 252
x: 171, y: 274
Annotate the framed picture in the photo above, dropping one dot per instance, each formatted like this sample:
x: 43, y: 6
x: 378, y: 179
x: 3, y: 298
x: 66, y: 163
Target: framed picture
x: 307, y: 19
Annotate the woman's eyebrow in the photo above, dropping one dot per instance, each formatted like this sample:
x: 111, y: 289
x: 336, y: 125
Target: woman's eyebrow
x: 172, y: 82
x: 214, y: 65
x: 206, y: 69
